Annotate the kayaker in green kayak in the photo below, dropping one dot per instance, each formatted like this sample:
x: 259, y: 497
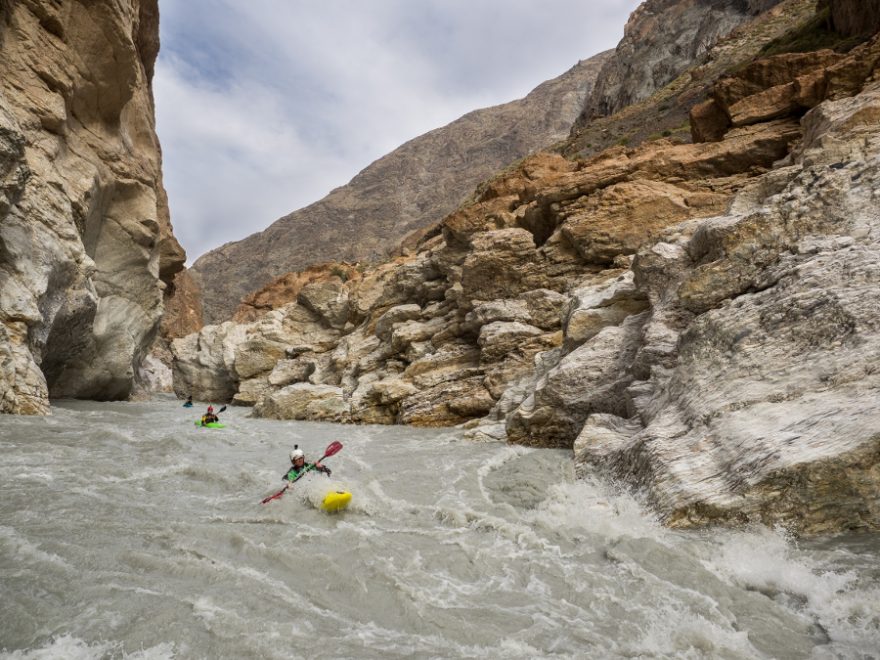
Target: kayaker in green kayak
x: 299, y: 465
x: 210, y: 417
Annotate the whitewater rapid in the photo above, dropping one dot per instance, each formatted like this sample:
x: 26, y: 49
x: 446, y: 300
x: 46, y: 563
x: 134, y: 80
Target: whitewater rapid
x: 126, y: 532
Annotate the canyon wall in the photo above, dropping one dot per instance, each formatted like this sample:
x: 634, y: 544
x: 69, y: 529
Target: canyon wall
x: 692, y: 314
x: 85, y: 236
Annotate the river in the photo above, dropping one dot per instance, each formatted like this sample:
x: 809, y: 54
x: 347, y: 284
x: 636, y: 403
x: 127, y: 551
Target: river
x: 126, y: 532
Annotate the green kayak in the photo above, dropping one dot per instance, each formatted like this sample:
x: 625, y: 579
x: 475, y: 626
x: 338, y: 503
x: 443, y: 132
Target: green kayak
x: 211, y: 425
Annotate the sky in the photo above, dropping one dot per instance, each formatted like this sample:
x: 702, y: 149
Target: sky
x: 265, y: 106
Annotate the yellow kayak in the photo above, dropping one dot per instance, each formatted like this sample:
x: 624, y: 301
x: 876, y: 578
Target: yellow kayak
x: 335, y: 500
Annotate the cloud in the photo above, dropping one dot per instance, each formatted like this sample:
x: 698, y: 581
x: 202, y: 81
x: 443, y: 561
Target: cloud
x: 263, y: 107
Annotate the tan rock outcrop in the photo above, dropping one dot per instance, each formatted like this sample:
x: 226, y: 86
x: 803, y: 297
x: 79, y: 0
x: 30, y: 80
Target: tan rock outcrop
x: 625, y: 216
x: 85, y: 240
x: 782, y: 86
x: 304, y: 401
x: 286, y: 289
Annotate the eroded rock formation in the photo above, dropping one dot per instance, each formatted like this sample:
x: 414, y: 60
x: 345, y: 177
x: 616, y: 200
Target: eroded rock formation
x: 85, y: 237
x: 695, y: 319
x: 754, y: 392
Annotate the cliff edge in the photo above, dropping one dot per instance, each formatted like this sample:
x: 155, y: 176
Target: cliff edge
x: 85, y: 238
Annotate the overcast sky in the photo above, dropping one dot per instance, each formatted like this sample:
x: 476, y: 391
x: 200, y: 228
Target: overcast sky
x: 264, y: 106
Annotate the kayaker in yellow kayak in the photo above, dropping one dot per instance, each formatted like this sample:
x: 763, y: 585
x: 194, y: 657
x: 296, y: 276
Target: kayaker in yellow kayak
x: 299, y: 465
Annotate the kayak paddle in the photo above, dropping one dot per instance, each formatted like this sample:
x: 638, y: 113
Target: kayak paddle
x: 332, y: 448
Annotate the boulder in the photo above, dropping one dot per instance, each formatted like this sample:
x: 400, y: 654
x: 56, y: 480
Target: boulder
x: 502, y: 263
x: 286, y: 372
x: 600, y: 304
x: 545, y: 307
x: 447, y: 403
x: 306, y: 402
x: 496, y: 310
x: 405, y: 334
x: 377, y: 401
x: 501, y: 338
x: 203, y: 365
x: 328, y: 300
x: 395, y: 315
x: 590, y: 379
x: 251, y: 391
x: 450, y: 362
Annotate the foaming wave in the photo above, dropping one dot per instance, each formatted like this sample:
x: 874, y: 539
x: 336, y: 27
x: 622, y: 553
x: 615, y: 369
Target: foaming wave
x: 591, y: 506
x: 395, y: 643
x: 768, y: 561
x: 676, y: 632
x: 373, y: 501
x: 520, y: 539
x: 26, y: 552
x: 508, y: 453
x: 67, y: 647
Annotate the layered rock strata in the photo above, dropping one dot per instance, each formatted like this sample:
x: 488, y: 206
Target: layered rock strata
x: 753, y: 393
x: 437, y: 337
x: 85, y: 237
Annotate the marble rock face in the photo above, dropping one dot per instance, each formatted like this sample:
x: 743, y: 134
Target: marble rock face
x: 758, y: 392
x: 85, y: 238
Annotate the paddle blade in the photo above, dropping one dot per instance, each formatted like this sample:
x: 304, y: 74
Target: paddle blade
x: 275, y: 496
x: 332, y: 448
x: 221, y: 410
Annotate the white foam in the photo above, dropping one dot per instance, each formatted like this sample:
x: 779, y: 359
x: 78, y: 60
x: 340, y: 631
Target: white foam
x: 68, y: 647
x: 676, y: 632
x: 27, y: 552
x: 592, y: 507
x: 769, y: 561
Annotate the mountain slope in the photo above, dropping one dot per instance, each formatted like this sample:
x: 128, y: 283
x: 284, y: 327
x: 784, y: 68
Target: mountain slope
x: 406, y: 190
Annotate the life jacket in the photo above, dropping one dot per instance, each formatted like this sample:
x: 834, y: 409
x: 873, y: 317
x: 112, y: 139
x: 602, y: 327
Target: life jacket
x: 295, y: 473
